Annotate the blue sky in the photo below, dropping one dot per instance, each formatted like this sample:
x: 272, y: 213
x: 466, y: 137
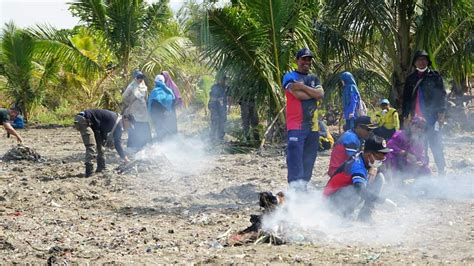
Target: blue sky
x: 26, y: 13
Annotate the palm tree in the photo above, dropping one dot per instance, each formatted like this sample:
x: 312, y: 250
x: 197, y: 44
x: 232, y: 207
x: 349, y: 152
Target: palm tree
x: 254, y: 41
x: 25, y: 77
x: 391, y: 30
x: 454, y: 55
x: 124, y: 23
x: 169, y: 49
x: 86, y: 61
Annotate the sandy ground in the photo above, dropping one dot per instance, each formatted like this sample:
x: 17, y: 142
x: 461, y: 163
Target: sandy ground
x: 180, y: 212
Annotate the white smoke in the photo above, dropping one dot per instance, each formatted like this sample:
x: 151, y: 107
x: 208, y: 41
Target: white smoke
x: 182, y: 155
x: 307, y: 217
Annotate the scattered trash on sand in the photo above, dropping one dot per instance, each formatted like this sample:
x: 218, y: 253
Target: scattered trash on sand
x: 254, y: 233
x: 142, y: 166
x: 21, y: 152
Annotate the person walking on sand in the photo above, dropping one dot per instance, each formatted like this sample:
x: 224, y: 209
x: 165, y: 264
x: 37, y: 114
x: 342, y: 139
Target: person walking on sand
x: 302, y: 90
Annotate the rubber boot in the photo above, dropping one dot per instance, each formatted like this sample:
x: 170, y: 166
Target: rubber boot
x: 100, y: 165
x: 89, y: 169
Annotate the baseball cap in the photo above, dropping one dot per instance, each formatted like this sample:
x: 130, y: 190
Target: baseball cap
x: 384, y: 101
x: 305, y: 52
x: 376, y: 144
x: 364, y: 121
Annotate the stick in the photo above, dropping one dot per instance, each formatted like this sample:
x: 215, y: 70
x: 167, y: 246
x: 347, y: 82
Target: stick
x: 35, y: 248
x: 269, y: 128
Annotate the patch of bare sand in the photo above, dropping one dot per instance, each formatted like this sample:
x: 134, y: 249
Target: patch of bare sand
x: 49, y: 212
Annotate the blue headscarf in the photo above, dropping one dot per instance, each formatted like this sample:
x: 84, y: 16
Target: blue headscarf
x: 350, y: 95
x: 161, y: 94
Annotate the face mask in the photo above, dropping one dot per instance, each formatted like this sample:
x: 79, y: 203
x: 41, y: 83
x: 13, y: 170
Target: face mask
x: 376, y: 164
x: 422, y: 69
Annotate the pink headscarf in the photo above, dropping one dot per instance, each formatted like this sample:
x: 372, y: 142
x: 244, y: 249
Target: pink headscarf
x: 170, y: 84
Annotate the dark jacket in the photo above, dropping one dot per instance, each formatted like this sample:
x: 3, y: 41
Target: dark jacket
x: 102, y: 122
x: 434, y: 95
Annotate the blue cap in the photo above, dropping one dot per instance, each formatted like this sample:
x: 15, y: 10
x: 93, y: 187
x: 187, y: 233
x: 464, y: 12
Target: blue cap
x: 384, y: 101
x: 305, y: 52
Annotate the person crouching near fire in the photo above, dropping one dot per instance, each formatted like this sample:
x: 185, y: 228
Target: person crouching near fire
x: 351, y: 184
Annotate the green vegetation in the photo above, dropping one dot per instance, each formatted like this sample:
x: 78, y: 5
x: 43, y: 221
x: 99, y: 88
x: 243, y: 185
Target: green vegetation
x: 51, y: 74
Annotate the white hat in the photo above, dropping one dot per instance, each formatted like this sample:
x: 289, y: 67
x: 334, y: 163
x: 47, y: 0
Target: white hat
x: 160, y: 78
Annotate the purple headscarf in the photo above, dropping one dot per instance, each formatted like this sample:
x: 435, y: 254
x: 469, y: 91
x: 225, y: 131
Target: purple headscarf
x: 170, y: 84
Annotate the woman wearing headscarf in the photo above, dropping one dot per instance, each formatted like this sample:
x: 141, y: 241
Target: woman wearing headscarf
x: 408, y: 158
x: 134, y: 107
x: 178, y: 101
x: 160, y: 106
x: 350, y: 99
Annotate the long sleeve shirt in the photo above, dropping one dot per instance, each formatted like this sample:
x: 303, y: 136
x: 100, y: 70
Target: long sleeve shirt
x: 102, y: 122
x: 388, y: 119
x: 134, y: 101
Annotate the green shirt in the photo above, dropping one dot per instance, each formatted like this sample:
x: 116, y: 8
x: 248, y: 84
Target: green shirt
x: 3, y: 115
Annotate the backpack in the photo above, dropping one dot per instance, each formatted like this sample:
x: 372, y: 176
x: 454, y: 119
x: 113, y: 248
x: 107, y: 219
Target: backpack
x: 362, y: 108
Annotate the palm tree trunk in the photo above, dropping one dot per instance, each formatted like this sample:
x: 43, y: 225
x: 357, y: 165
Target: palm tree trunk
x: 402, y: 63
x: 126, y: 62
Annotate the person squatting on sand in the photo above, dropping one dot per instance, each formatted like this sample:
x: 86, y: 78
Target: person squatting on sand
x: 351, y: 183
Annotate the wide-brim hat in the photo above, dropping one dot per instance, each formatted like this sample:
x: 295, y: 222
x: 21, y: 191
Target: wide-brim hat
x: 421, y: 53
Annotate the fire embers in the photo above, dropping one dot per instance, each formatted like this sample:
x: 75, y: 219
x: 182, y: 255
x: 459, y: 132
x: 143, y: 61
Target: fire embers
x: 254, y: 233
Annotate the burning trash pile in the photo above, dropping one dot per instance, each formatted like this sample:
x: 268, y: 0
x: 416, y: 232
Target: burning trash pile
x: 254, y: 233
x: 21, y: 152
x: 143, y: 165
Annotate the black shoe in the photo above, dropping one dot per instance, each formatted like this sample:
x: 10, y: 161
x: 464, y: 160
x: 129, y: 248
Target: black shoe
x: 100, y: 169
x: 89, y: 170
x: 100, y: 166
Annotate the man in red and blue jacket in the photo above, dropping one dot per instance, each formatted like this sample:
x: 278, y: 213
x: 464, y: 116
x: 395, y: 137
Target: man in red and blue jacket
x: 350, y: 143
x: 302, y: 90
x: 350, y: 183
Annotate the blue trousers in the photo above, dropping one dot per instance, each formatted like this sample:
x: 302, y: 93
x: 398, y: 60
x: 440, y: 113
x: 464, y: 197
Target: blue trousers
x: 350, y: 124
x: 301, y: 155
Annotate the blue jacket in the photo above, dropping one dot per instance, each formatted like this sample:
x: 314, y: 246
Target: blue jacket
x: 18, y: 122
x: 350, y: 95
x: 161, y: 94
